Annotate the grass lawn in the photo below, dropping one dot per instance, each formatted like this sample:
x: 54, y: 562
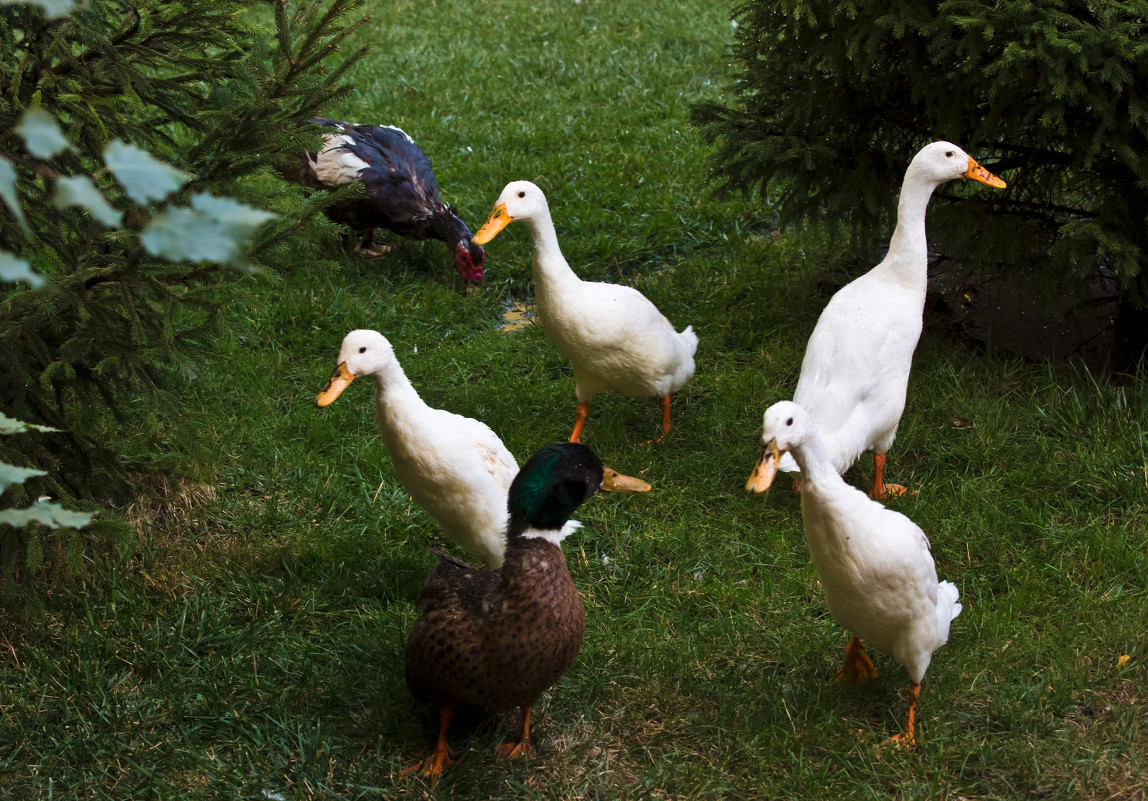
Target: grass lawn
x: 252, y: 647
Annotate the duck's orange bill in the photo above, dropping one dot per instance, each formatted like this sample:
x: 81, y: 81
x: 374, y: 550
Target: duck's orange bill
x: 338, y: 381
x: 499, y: 219
x: 613, y: 481
x: 766, y: 468
x: 979, y: 173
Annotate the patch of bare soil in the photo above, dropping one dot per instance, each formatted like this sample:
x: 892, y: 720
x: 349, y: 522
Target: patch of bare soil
x: 1026, y: 314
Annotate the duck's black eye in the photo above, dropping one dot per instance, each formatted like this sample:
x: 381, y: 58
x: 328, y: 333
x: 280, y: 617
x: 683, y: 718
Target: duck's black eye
x: 363, y: 349
x: 948, y: 154
x: 522, y: 194
x: 789, y: 422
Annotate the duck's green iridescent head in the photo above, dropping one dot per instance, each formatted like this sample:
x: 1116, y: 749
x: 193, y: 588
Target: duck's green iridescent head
x: 553, y: 483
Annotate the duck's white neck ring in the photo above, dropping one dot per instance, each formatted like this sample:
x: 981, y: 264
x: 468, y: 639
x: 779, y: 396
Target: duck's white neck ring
x: 552, y: 535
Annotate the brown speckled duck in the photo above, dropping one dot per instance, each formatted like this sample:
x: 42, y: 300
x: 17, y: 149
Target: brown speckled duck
x: 499, y: 638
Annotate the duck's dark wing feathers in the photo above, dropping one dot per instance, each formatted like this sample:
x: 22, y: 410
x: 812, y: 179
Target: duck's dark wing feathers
x: 444, y: 650
x: 455, y: 584
x: 400, y: 189
x: 394, y: 156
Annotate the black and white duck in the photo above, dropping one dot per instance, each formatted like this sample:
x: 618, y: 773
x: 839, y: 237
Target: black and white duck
x: 499, y: 638
x: 400, y: 192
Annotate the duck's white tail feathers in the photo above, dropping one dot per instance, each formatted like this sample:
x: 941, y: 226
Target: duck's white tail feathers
x: 947, y: 607
x: 681, y: 365
x: 690, y: 338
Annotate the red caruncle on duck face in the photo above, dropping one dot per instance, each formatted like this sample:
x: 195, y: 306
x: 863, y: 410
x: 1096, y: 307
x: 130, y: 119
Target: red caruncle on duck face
x: 469, y: 259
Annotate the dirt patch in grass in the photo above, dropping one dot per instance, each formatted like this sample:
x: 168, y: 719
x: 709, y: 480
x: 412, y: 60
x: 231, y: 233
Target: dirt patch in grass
x: 169, y: 505
x: 1103, y: 710
x: 1099, y: 725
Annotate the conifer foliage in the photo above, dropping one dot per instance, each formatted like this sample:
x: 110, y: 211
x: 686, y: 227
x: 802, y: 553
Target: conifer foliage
x: 834, y: 98
x: 126, y: 130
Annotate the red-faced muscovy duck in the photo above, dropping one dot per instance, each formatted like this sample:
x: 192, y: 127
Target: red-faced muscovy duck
x: 400, y: 190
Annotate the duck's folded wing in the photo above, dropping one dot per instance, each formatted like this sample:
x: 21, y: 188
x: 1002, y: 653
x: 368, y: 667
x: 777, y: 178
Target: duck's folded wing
x: 455, y: 586
x: 452, y: 563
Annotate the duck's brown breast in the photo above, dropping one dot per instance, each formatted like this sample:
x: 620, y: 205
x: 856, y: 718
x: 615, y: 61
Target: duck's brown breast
x: 503, y: 646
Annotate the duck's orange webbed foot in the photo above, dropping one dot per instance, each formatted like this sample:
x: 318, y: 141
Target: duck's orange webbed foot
x: 881, y: 490
x: 442, y: 757
x: 858, y: 668
x: 433, y: 765
x: 516, y: 748
x: 664, y: 402
x: 520, y: 747
x: 905, y: 738
x: 902, y: 739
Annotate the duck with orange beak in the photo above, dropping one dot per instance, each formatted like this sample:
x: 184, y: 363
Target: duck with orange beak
x: 614, y: 337
x: 454, y: 467
x: 875, y: 564
x: 855, y: 374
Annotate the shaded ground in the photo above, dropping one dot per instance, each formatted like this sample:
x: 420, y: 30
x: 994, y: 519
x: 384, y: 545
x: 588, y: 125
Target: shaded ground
x: 1024, y: 314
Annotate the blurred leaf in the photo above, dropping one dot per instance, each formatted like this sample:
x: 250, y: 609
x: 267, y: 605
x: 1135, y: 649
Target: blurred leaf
x: 215, y: 230
x: 41, y: 134
x: 80, y: 191
x: 8, y: 192
x: 142, y: 176
x: 236, y: 217
x: 53, y: 9
x: 10, y: 425
x: 179, y: 234
x: 52, y: 515
x: 11, y: 474
x: 14, y: 269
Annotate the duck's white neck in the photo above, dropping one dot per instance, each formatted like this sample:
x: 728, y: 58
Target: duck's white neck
x: 394, y: 395
x: 908, y: 257
x: 814, y: 462
x: 550, y: 268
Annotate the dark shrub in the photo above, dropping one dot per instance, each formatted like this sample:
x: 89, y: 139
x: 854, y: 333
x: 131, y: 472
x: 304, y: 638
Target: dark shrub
x: 834, y: 98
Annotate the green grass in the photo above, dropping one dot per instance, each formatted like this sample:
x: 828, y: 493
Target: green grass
x: 253, y: 644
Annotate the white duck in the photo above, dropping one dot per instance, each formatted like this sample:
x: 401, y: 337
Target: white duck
x: 614, y: 337
x: 875, y: 565
x: 855, y: 373
x: 454, y: 467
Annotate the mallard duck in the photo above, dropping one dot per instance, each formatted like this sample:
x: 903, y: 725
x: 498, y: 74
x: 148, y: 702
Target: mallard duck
x: 499, y: 638
x: 454, y: 467
x: 614, y: 337
x: 855, y: 373
x: 400, y: 192
x: 875, y: 565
